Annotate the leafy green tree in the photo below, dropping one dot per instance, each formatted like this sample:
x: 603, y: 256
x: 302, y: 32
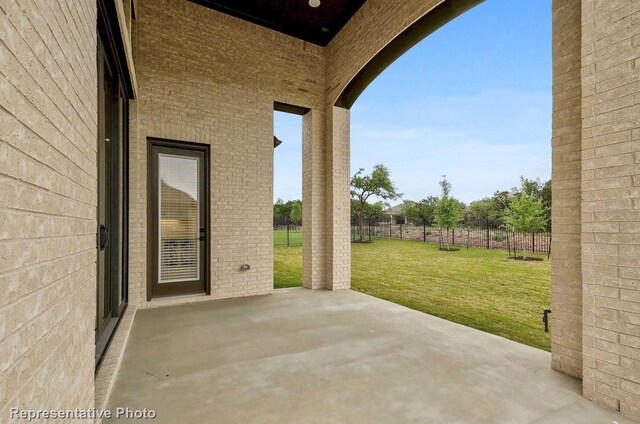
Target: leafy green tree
x: 545, y: 197
x: 525, y: 214
x: 287, y: 213
x: 278, y: 211
x: 479, y: 211
x: 488, y: 209
x: 539, y: 191
x: 449, y: 211
x: 377, y: 211
x: 500, y: 201
x: 421, y: 213
x: 295, y: 215
x: 364, y: 186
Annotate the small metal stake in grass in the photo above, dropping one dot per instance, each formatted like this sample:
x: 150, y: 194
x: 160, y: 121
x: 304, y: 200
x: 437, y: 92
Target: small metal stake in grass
x: 545, y: 319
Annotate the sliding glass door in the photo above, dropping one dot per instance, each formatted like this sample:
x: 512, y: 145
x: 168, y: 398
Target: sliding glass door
x: 111, y: 292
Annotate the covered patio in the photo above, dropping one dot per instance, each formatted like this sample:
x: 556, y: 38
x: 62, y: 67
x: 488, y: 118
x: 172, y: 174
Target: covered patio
x: 335, y: 357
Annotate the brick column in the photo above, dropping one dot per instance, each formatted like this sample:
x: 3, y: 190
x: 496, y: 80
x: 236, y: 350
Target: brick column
x: 325, y: 199
x: 338, y: 199
x: 313, y: 200
x: 566, y: 296
x: 611, y: 203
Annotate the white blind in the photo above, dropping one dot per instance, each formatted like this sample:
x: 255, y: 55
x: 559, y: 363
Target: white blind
x: 179, y: 219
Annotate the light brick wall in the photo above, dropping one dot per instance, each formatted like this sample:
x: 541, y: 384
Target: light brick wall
x: 314, y: 200
x: 338, y: 199
x: 376, y: 24
x: 211, y: 78
x: 611, y: 202
x: 566, y: 279
x: 47, y: 204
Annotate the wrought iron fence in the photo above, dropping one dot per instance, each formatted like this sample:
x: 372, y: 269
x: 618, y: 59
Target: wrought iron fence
x: 488, y: 236
x: 287, y: 235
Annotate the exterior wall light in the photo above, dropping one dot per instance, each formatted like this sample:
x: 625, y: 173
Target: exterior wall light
x: 314, y: 3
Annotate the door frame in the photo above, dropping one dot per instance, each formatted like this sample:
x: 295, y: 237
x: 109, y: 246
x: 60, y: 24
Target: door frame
x: 109, y: 55
x: 152, y: 217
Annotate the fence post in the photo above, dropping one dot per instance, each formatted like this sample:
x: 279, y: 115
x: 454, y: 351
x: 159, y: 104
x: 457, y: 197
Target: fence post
x: 487, y: 234
x: 453, y: 236
x: 468, y: 231
x: 288, y: 230
x: 369, y: 225
x: 424, y: 232
x: 533, y: 242
x: 401, y: 231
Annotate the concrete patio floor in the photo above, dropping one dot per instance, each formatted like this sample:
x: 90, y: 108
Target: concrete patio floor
x: 302, y: 356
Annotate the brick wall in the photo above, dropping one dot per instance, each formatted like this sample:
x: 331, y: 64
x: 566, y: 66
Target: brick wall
x: 314, y: 200
x: 611, y: 202
x: 338, y: 199
x: 211, y: 78
x: 376, y: 24
x: 566, y: 279
x: 48, y: 204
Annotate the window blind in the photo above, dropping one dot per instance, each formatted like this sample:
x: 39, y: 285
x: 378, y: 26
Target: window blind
x: 179, y: 219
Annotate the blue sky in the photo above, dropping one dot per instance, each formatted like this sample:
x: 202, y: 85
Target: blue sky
x: 472, y: 101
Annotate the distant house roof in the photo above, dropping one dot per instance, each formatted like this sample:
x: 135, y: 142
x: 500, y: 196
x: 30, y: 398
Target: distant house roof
x: 276, y: 142
x: 396, y: 210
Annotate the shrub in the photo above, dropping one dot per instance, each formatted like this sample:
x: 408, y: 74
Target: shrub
x: 499, y: 237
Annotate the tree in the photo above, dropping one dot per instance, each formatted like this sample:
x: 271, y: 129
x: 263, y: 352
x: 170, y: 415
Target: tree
x: 525, y: 214
x: 287, y: 213
x: 421, y: 213
x: 480, y: 211
x: 545, y: 197
x: 295, y: 214
x: 448, y: 212
x: 377, y: 211
x: 363, y: 187
x: 539, y: 191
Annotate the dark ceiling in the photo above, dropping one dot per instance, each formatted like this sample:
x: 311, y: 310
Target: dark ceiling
x: 293, y: 17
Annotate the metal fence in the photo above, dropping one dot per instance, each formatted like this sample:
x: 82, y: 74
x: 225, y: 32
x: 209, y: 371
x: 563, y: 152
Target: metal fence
x: 287, y: 235
x: 489, y: 236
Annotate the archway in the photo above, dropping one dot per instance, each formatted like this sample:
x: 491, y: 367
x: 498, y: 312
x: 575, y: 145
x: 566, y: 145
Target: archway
x: 383, y: 32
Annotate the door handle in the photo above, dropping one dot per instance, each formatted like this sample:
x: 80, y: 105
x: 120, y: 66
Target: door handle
x: 103, y: 237
x: 203, y: 234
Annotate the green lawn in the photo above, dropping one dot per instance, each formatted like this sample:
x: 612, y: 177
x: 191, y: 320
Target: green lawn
x: 280, y: 238
x: 479, y: 288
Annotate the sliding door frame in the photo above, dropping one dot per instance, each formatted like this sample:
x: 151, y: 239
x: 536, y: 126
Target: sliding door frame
x: 116, y: 200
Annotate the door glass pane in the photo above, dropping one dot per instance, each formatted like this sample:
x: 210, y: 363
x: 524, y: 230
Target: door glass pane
x: 179, y: 219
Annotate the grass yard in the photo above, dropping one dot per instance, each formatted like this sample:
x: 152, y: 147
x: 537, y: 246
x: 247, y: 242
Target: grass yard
x: 280, y: 238
x: 479, y: 288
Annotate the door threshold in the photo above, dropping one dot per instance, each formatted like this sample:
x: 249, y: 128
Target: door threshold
x: 177, y: 300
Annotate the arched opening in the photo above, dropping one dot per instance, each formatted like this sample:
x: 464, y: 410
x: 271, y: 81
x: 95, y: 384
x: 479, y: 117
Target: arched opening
x: 477, y: 286
x: 416, y: 32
